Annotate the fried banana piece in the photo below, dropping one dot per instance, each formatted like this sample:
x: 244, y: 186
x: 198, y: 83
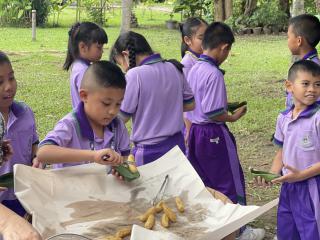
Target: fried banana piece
x: 124, y: 232
x: 168, y: 211
x: 159, y: 207
x: 150, y: 222
x: 145, y: 216
x: 132, y: 167
x: 164, y: 221
x: 179, y: 204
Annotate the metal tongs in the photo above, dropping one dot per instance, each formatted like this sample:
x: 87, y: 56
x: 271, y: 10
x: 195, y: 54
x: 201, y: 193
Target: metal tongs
x: 161, y: 191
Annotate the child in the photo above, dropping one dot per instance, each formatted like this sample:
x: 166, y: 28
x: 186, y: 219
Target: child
x: 192, y: 31
x: 212, y: 147
x: 156, y: 96
x: 298, y: 158
x: 303, y: 37
x: 85, y: 45
x: 192, y: 34
x: 92, y: 130
x: 20, y: 130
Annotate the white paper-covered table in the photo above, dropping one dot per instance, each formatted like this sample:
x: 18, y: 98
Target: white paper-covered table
x: 85, y: 200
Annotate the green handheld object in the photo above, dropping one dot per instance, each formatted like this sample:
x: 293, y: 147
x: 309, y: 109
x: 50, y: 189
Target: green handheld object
x: 6, y: 180
x: 124, y: 171
x: 266, y: 175
x: 232, y: 106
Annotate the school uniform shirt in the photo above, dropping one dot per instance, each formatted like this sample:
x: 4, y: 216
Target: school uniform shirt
x: 21, y: 130
x: 207, y: 82
x: 154, y: 98
x: 74, y: 131
x: 78, y: 69
x: 312, y: 56
x: 189, y: 60
x: 299, y: 203
x: 299, y: 137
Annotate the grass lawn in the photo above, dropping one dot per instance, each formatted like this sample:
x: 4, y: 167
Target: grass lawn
x: 255, y: 71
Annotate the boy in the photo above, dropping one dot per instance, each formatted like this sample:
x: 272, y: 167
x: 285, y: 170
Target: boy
x: 92, y: 131
x: 297, y: 135
x: 303, y: 37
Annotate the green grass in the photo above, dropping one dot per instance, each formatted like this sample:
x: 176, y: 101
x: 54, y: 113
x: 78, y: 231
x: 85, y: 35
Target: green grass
x: 255, y: 71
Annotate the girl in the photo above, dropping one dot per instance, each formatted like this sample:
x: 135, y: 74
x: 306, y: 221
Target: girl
x: 20, y: 129
x: 85, y: 46
x: 155, y: 98
x: 212, y: 148
x: 192, y: 34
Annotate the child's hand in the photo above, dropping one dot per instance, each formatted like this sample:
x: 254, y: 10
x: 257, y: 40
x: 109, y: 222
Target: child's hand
x: 116, y: 174
x: 7, y: 150
x: 36, y: 163
x: 295, y: 176
x: 261, y: 182
x: 239, y: 113
x: 111, y: 157
x: 19, y: 229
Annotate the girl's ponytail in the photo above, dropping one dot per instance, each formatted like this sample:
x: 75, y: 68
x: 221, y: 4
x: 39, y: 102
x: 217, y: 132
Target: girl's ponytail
x: 132, y: 54
x: 177, y: 64
x: 184, y: 46
x: 71, y: 46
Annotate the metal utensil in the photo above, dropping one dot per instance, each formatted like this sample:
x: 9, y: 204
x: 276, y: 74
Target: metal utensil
x: 68, y: 236
x: 161, y: 191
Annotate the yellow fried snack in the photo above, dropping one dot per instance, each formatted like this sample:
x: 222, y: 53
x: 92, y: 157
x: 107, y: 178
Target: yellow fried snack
x: 123, y: 232
x: 171, y: 215
x: 159, y: 207
x: 112, y: 238
x: 180, y: 204
x: 150, y: 222
x: 132, y: 167
x: 164, y: 221
x: 145, y: 216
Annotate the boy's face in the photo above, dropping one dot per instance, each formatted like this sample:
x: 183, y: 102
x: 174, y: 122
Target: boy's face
x: 92, y: 52
x: 8, y: 85
x: 102, y: 105
x: 305, y: 89
x: 294, y: 42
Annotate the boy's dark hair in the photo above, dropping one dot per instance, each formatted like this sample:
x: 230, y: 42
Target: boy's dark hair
x: 308, y: 27
x: 303, y: 66
x: 189, y: 28
x: 86, y: 32
x: 4, y: 58
x: 216, y: 34
x: 136, y: 44
x: 106, y: 74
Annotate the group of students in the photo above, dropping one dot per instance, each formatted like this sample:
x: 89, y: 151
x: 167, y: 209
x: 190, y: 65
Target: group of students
x: 154, y: 93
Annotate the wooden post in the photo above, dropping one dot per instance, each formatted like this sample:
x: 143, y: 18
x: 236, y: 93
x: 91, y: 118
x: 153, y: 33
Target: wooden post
x: 34, y: 24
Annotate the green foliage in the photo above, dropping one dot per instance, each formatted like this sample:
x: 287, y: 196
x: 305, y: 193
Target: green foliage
x: 43, y: 9
x: 96, y: 10
x: 14, y: 12
x: 56, y: 7
x: 190, y: 8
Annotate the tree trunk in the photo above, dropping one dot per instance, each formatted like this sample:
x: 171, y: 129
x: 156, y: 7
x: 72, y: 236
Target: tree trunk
x: 285, y: 6
x: 297, y: 8
x: 318, y: 5
x: 219, y: 10
x: 250, y: 6
x: 228, y: 7
x: 126, y: 15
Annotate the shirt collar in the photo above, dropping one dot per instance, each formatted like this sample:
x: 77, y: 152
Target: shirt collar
x: 84, y: 125
x: 18, y: 108
x: 212, y: 61
x: 154, y: 58
x: 85, y: 61
x: 308, y: 112
x: 312, y: 54
x: 194, y: 54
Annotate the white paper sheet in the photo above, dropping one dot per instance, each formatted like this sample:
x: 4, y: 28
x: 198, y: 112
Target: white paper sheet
x: 85, y: 200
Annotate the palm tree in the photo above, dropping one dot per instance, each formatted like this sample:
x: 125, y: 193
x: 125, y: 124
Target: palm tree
x: 126, y: 15
x: 297, y: 8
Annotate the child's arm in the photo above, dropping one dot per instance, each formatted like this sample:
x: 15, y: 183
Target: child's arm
x: 14, y: 227
x: 297, y: 175
x: 57, y: 154
x: 277, y: 163
x: 225, y: 117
